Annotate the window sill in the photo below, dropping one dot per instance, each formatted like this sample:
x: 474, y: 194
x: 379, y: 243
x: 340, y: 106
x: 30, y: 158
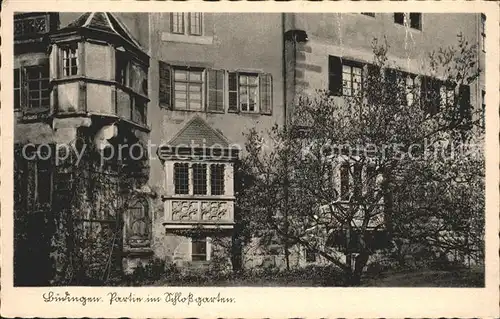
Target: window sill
x: 182, y: 38
x: 198, y: 197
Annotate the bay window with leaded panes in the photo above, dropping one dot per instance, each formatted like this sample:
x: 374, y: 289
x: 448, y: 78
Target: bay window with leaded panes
x: 199, y: 179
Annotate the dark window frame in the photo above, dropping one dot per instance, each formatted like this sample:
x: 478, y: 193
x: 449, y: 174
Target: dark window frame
x: 177, y: 23
x: 70, y: 63
x: 199, y: 251
x: 411, y: 19
x: 189, y: 83
x: 217, y: 179
x: 199, y: 178
x: 42, y: 81
x: 195, y: 28
x: 348, y: 84
x: 181, y: 178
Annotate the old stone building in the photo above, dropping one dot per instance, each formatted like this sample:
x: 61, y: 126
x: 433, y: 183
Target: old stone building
x: 184, y: 87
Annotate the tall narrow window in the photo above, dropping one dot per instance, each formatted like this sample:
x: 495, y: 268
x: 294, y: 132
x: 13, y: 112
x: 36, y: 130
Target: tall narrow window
x: 215, y: 90
x: 70, y: 60
x: 188, y: 88
x: 233, y: 92
x: 165, y: 90
x: 248, y: 92
x: 344, y: 181
x: 483, y: 32
x: 199, y: 179
x: 199, y: 249
x: 38, y: 86
x: 217, y: 179
x: 17, y: 89
x: 195, y: 23
x: 266, y: 94
x: 181, y: 178
x: 177, y: 19
x: 121, y: 68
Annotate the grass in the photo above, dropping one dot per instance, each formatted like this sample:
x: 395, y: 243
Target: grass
x: 429, y: 278
x: 319, y: 277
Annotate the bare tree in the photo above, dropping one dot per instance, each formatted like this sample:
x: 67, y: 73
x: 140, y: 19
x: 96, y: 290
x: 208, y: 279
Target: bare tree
x: 334, y: 181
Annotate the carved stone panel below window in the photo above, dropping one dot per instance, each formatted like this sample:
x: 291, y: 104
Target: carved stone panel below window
x: 201, y: 211
x: 214, y: 211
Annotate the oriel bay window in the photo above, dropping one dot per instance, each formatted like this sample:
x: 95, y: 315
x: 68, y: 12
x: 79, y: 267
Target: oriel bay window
x: 214, y: 90
x: 199, y: 179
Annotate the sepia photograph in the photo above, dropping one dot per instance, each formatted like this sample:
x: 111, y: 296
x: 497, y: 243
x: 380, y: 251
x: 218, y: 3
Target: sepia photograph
x: 191, y: 160
x: 249, y: 149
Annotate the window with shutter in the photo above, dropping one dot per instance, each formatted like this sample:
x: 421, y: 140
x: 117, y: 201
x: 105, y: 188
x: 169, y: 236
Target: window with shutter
x: 334, y: 75
x: 215, y: 101
x: 233, y: 91
x: 266, y: 94
x: 165, y: 85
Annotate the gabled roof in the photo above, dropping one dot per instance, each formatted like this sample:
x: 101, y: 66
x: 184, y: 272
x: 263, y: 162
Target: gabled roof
x: 198, y: 132
x: 104, y: 21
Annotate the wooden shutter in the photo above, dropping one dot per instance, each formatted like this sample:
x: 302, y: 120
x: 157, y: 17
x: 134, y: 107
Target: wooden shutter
x: 215, y: 90
x: 266, y: 94
x: 165, y: 85
x: 334, y: 75
x: 233, y: 92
